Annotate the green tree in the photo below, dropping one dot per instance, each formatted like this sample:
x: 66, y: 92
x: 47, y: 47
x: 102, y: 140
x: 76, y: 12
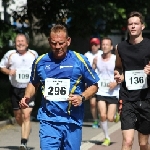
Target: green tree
x: 85, y: 15
x: 7, y: 33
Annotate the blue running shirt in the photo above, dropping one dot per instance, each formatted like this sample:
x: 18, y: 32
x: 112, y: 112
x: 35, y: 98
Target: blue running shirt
x: 74, y: 67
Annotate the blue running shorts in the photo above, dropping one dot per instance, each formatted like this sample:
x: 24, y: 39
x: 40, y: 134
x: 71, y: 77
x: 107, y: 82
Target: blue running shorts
x: 59, y: 136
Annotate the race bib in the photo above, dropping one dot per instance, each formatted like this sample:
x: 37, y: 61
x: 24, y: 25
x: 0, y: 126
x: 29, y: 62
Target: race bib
x: 136, y: 79
x: 104, y: 84
x: 57, y: 89
x: 23, y: 75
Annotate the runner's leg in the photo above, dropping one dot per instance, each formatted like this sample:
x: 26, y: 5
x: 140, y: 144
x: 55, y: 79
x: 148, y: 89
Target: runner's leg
x: 128, y: 138
x: 93, y: 107
x: 143, y: 141
x: 111, y: 112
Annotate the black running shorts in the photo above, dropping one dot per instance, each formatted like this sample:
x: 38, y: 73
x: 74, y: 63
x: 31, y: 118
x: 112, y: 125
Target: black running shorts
x: 16, y: 94
x: 136, y: 115
x: 107, y: 99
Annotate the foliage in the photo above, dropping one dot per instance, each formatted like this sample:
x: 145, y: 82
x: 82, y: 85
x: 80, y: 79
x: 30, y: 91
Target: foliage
x: 87, y: 17
x: 7, y: 33
x: 5, y: 109
x: 5, y: 103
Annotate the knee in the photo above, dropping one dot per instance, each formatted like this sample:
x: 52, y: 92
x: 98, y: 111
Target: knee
x: 110, y: 119
x: 93, y: 105
x: 143, y: 145
x: 103, y: 117
x: 18, y: 119
x: 26, y: 117
x: 128, y: 142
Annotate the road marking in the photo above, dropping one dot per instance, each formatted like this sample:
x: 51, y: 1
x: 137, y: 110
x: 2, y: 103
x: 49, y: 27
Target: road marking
x: 99, y: 137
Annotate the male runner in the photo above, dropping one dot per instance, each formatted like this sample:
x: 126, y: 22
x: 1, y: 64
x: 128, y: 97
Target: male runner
x: 133, y: 70
x: 17, y: 64
x: 108, y: 87
x: 62, y: 75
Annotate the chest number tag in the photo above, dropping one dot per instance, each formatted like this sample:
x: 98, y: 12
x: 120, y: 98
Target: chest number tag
x: 136, y: 80
x: 57, y: 89
x: 23, y: 75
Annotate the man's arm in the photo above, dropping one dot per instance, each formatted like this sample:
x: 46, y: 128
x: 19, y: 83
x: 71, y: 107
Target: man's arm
x: 31, y: 90
x: 94, y: 65
x: 76, y: 100
x: 90, y: 91
x: 118, y: 75
x: 118, y: 64
x: 7, y: 71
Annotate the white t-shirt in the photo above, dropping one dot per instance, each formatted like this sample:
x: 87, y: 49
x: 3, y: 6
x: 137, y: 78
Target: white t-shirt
x: 91, y: 56
x: 13, y: 60
x: 106, y: 75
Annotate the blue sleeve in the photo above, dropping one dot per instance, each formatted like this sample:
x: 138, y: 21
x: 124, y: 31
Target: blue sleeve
x: 89, y: 75
x: 34, y: 79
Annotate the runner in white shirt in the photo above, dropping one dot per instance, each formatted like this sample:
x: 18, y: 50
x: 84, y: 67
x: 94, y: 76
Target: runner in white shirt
x: 108, y: 88
x: 95, y: 45
x: 17, y: 64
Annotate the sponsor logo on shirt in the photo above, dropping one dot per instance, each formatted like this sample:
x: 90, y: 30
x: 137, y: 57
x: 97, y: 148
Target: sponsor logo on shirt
x: 47, y: 67
x: 65, y: 67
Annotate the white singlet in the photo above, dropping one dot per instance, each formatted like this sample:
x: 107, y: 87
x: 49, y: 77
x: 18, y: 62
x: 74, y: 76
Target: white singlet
x: 106, y: 75
x: 22, y: 64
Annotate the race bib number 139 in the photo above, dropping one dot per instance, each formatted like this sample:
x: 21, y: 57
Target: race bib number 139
x: 57, y: 89
x: 136, y: 79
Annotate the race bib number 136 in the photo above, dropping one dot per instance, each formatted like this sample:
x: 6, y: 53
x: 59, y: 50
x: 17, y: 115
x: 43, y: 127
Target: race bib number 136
x: 57, y: 89
x: 136, y: 79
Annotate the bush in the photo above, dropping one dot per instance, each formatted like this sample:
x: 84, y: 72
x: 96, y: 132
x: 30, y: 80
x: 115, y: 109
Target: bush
x: 5, y: 104
x: 5, y: 110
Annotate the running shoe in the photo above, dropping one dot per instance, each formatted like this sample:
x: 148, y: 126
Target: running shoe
x: 95, y: 125
x: 106, y: 142
x: 23, y: 147
x: 117, y: 118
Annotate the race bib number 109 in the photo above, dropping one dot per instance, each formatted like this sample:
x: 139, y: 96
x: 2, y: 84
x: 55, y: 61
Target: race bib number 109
x: 57, y: 89
x: 23, y: 75
x: 136, y: 79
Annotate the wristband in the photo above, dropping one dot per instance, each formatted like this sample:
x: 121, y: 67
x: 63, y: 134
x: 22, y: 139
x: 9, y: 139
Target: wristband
x: 83, y: 98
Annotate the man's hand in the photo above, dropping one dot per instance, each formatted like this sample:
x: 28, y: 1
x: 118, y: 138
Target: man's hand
x: 23, y: 103
x: 12, y: 72
x: 112, y: 85
x: 119, y: 78
x: 76, y: 100
x: 147, y: 69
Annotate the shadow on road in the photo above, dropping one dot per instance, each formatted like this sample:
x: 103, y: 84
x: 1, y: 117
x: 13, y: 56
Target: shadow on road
x: 96, y: 142
x: 14, y: 147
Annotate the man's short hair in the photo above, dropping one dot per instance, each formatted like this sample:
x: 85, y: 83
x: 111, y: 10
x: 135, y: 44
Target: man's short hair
x: 107, y: 38
x: 136, y: 14
x: 57, y: 28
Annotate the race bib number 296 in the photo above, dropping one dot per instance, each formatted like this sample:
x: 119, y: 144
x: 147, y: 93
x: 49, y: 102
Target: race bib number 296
x: 136, y: 79
x: 57, y: 89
